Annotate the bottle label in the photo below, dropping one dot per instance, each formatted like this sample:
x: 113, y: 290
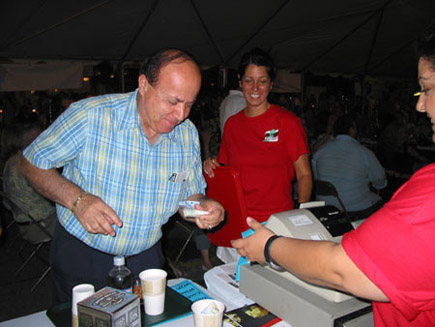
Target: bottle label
x: 128, y: 290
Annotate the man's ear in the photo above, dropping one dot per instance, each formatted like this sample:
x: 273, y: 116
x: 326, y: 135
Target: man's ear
x: 143, y: 84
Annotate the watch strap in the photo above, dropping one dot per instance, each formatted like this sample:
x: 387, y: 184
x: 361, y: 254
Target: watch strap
x: 267, y: 255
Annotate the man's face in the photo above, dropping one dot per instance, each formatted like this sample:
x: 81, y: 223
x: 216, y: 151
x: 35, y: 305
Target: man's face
x: 426, y: 101
x: 168, y: 103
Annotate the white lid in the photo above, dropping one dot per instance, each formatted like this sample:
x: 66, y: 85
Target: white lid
x: 118, y: 260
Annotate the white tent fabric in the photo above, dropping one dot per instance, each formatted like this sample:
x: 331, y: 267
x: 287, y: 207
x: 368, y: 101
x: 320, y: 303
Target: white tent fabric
x: 368, y: 37
x: 286, y: 82
x: 40, y: 76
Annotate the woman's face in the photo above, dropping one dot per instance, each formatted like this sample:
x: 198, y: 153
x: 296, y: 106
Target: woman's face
x: 426, y: 101
x: 256, y: 85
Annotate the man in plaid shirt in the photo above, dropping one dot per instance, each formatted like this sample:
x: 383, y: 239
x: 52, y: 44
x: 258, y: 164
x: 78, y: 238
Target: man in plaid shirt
x: 128, y: 160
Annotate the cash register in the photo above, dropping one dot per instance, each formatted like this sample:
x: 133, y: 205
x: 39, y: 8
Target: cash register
x: 292, y: 299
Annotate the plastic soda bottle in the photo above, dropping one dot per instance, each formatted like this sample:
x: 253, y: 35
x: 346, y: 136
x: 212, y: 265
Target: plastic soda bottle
x: 120, y: 276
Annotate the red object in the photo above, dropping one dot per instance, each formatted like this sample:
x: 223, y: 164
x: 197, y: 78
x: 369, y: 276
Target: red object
x: 394, y: 249
x: 226, y: 188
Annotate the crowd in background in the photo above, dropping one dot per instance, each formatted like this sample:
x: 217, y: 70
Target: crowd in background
x: 387, y: 124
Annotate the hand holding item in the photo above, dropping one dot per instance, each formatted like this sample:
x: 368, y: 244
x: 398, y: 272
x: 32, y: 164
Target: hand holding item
x: 252, y: 247
x: 95, y: 215
x: 216, y: 214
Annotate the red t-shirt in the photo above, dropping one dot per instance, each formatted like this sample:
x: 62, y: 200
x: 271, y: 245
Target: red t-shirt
x: 263, y: 149
x: 395, y: 248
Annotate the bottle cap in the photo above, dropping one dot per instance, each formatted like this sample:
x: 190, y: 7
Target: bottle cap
x: 118, y: 260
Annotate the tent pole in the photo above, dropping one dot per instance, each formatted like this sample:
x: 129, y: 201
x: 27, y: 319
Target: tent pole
x: 257, y: 31
x: 204, y: 26
x: 141, y: 27
x: 375, y: 36
x: 121, y: 73
x: 365, y: 21
x: 363, y: 93
x: 55, y: 25
x: 303, y: 92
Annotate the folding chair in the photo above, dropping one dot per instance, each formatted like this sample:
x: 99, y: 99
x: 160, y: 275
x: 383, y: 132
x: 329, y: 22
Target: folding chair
x: 325, y: 188
x: 189, y: 228
x: 226, y: 188
x: 32, y: 232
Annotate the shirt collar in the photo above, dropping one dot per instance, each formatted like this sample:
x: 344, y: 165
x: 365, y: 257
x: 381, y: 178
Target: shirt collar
x: 346, y: 137
x: 130, y: 118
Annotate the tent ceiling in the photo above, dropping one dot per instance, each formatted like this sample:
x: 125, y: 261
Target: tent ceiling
x: 337, y: 36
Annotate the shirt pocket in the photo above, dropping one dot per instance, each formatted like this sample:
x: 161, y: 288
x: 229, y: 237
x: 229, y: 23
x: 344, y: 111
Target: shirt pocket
x: 169, y: 196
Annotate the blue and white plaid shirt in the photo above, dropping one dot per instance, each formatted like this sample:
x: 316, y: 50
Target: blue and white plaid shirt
x: 101, y: 145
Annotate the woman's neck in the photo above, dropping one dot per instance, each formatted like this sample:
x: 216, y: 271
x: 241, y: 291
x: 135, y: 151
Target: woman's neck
x: 252, y: 111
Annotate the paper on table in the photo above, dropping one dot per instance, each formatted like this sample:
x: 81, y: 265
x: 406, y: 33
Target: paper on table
x: 189, y: 290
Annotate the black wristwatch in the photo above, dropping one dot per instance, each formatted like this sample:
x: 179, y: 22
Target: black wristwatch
x: 267, y: 256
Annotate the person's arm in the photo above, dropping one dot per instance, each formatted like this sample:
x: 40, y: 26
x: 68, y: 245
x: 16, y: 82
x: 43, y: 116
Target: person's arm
x: 209, y: 165
x: 377, y: 175
x: 216, y: 212
x: 304, y: 178
x: 323, y: 263
x: 90, y: 210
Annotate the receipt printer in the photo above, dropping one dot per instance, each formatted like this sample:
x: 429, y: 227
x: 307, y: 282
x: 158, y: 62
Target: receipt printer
x: 292, y: 299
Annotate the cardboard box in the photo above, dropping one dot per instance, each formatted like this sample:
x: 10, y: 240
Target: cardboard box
x: 110, y: 307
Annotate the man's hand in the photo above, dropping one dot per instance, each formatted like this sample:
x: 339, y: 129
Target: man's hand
x: 96, y: 216
x: 216, y: 214
x: 252, y: 247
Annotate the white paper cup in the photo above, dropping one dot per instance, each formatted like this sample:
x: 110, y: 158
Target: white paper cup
x: 153, y: 283
x: 208, y: 313
x: 79, y: 293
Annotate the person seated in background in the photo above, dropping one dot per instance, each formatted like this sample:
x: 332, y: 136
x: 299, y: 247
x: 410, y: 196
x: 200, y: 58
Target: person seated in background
x: 351, y: 168
x: 394, y: 147
x: 8, y: 144
x: 389, y: 258
x: 327, y: 135
x: 18, y: 188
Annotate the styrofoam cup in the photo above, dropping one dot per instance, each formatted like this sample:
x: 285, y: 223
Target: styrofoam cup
x: 79, y: 293
x: 153, y: 283
x: 208, y: 313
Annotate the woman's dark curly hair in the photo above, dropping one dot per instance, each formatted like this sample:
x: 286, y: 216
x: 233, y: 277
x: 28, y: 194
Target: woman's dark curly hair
x: 258, y: 57
x: 426, y: 45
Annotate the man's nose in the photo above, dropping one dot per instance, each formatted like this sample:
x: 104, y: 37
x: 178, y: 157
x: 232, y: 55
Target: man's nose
x: 179, y: 111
